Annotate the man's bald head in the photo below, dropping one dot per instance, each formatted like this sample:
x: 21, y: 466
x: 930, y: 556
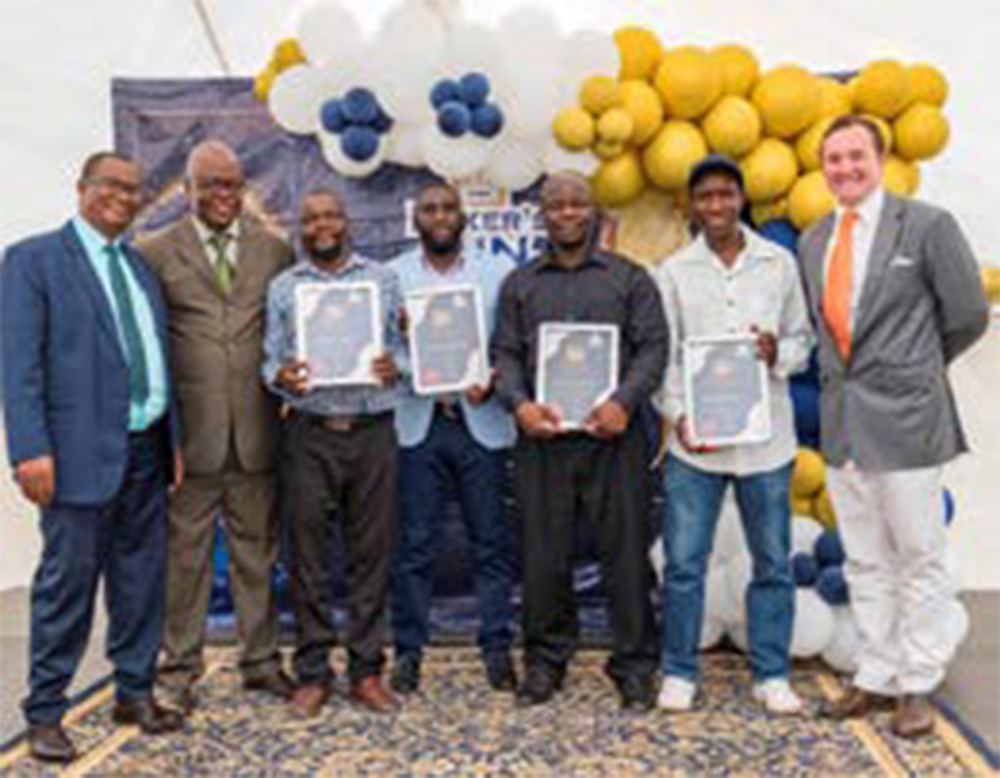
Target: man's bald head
x: 566, y: 182
x: 214, y: 184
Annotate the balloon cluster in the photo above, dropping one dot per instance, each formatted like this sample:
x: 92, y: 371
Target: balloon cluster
x: 808, y: 493
x: 287, y: 53
x: 823, y: 568
x: 668, y: 107
x: 463, y: 106
x: 359, y: 120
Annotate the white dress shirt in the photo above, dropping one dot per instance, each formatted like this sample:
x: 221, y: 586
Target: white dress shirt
x: 703, y: 297
x: 862, y: 238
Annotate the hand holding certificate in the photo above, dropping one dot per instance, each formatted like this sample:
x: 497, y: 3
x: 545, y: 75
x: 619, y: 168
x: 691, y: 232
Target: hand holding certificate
x: 726, y: 391
x: 577, y: 371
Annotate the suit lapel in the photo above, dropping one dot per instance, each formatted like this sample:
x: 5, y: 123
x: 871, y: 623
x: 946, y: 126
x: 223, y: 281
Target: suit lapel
x: 815, y: 266
x: 246, y: 252
x: 882, y: 250
x: 192, y: 252
x: 92, y: 284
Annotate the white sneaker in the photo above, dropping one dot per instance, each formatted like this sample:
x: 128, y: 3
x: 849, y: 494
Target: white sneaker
x: 777, y: 696
x: 676, y: 694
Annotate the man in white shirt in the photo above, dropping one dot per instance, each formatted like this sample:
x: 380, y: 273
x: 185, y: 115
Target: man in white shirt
x: 895, y: 292
x: 730, y: 281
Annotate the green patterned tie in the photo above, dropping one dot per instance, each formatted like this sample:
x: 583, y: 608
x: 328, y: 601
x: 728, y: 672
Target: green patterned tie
x: 220, y: 262
x: 138, y: 376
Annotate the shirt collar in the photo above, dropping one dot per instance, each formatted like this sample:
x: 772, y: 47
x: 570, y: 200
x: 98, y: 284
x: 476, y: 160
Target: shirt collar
x: 755, y: 248
x: 205, y: 233
x: 456, y: 267
x: 309, y: 268
x: 594, y: 256
x: 93, y: 239
x: 868, y: 210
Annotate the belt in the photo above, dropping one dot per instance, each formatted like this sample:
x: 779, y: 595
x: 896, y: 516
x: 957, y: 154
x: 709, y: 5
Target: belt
x: 451, y: 410
x: 343, y: 422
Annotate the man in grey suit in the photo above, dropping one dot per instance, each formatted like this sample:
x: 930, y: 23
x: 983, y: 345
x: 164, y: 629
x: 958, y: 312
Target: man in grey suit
x: 215, y: 265
x: 895, y: 292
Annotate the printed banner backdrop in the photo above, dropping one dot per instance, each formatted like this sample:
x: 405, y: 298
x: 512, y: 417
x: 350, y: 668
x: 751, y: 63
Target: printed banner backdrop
x: 158, y: 122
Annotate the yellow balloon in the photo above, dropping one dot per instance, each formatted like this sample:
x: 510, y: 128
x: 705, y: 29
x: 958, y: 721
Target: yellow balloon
x: 810, y: 200
x: 639, y: 51
x: 732, y: 126
x: 991, y: 284
x: 615, y: 125
x: 801, y: 506
x: 608, y: 149
x: 739, y: 68
x: 883, y: 89
x: 836, y: 98
x: 900, y: 176
x: 809, y: 475
x: 263, y: 82
x: 928, y: 84
x: 644, y: 106
x: 599, y: 93
x: 761, y: 213
x: 808, y: 143
x: 823, y: 510
x: 689, y: 80
x: 287, y: 53
x: 769, y: 170
x: 669, y: 157
x: 921, y: 132
x: 573, y: 128
x: 620, y: 180
x: 789, y: 99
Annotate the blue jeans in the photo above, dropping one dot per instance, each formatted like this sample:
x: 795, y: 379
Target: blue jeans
x: 450, y: 457
x: 692, y: 501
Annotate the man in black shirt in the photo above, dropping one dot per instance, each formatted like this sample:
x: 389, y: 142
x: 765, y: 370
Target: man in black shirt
x: 600, y: 473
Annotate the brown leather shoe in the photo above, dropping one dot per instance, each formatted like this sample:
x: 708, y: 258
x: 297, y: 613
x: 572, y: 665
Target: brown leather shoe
x: 855, y: 703
x: 147, y: 714
x: 370, y: 693
x: 50, y: 743
x: 277, y: 684
x: 914, y: 716
x: 309, y: 699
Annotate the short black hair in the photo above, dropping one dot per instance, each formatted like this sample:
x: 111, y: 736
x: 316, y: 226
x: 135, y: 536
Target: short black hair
x: 713, y: 164
x: 91, y: 163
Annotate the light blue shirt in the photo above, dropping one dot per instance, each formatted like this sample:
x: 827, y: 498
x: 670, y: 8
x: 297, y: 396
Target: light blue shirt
x: 489, y: 424
x: 141, y: 415
x: 280, y: 338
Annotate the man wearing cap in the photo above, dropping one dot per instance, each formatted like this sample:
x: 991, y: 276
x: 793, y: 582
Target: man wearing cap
x: 895, y: 292
x: 730, y: 281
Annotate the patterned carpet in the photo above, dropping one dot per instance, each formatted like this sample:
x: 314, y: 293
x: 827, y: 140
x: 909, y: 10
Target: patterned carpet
x: 456, y: 726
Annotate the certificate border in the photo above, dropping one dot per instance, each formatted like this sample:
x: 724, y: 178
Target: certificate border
x: 550, y: 328
x: 762, y: 378
x: 419, y: 387
x: 372, y: 288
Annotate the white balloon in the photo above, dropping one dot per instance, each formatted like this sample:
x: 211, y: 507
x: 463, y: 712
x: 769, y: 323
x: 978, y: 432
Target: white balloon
x: 327, y: 32
x: 959, y: 625
x: 405, y: 145
x: 343, y: 164
x: 531, y: 28
x: 453, y: 158
x: 711, y: 633
x: 720, y: 603
x: 805, y: 531
x: 842, y: 651
x: 296, y: 98
x: 738, y: 574
x: 814, y: 624
x: 515, y: 163
x: 470, y: 47
x: 657, y: 559
x: 559, y: 159
x: 583, y: 54
x: 728, y: 531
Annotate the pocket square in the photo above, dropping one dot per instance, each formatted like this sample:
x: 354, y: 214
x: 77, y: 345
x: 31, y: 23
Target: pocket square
x: 901, y: 261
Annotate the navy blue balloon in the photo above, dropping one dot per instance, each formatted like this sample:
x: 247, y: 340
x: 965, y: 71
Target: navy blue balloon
x: 446, y: 90
x: 487, y: 120
x: 475, y: 88
x: 828, y: 549
x: 359, y: 143
x: 782, y: 232
x: 805, y: 402
x: 949, y: 506
x: 360, y: 106
x: 383, y: 122
x: 454, y: 119
x: 831, y: 585
x: 805, y: 569
x: 332, y: 116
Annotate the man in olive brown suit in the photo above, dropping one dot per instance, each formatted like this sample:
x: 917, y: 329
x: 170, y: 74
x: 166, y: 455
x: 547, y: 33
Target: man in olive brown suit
x: 214, y: 266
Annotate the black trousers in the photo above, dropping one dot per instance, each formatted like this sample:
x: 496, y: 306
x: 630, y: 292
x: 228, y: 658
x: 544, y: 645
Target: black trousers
x: 560, y: 482
x: 346, y: 475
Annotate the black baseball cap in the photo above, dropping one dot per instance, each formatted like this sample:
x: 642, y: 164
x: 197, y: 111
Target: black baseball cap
x: 715, y: 163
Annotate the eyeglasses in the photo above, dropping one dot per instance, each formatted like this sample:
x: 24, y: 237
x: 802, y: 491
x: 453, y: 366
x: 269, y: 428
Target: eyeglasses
x: 220, y: 185
x: 116, y: 185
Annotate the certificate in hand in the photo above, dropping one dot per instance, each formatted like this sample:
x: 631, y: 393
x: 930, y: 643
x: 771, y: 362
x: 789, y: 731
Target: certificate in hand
x: 338, y: 329
x: 577, y: 368
x: 726, y: 391
x: 447, y: 339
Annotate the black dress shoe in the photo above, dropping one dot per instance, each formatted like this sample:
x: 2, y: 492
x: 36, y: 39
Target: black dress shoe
x: 636, y: 693
x: 277, y: 683
x: 539, y: 685
x: 50, y: 743
x: 146, y: 714
x: 182, y: 699
x: 500, y: 671
x: 406, y: 674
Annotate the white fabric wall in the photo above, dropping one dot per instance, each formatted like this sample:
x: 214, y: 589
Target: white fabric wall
x: 57, y: 57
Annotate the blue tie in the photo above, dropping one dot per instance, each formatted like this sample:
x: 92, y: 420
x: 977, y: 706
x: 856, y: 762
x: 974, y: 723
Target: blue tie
x: 138, y: 376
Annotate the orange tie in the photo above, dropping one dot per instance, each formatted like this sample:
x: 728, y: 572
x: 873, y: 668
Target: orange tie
x: 837, y: 292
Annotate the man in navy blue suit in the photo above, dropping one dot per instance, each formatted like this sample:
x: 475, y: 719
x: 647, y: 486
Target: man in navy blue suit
x: 91, y: 436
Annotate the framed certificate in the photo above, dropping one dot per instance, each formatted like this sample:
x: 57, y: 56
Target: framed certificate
x: 338, y: 329
x: 577, y: 368
x: 447, y: 339
x: 726, y: 391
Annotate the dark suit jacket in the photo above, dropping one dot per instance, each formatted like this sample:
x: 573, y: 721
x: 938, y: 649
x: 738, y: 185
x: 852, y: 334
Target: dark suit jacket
x: 216, y: 344
x: 890, y: 407
x: 65, y: 376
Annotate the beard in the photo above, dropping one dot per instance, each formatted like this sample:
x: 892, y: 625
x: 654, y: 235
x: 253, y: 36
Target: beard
x: 328, y: 253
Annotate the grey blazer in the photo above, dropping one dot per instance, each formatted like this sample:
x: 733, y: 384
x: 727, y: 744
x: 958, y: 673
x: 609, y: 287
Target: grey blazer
x: 890, y: 407
x: 216, y: 344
